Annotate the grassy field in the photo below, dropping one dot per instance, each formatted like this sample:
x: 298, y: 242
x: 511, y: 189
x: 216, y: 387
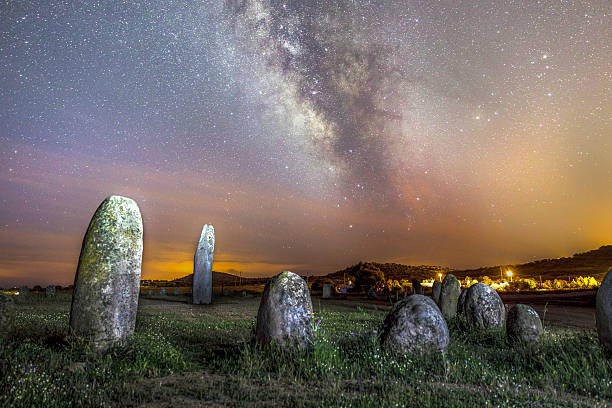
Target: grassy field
x: 184, y: 355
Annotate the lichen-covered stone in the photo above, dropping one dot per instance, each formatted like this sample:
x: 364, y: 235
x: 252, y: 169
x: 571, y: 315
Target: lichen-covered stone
x: 523, y: 324
x: 107, y: 282
x: 449, y: 295
x: 202, y: 267
x: 483, y: 308
x: 414, y: 324
x: 285, y: 312
x: 50, y: 291
x: 461, y: 300
x: 7, y: 314
x: 327, y: 291
x: 435, y: 292
x: 603, y: 312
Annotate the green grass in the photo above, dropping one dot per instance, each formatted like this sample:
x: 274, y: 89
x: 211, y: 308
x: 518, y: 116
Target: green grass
x: 190, y: 355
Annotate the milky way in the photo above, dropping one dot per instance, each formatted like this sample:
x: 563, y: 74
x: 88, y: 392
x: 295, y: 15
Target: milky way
x: 311, y: 134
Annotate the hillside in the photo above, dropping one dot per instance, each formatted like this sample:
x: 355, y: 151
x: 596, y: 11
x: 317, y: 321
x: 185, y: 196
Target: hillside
x: 591, y: 263
x: 219, y: 279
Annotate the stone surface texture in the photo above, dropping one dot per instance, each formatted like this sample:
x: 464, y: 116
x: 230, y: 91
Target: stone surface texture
x: 603, y: 312
x: 483, y: 308
x: 435, y: 292
x: 107, y: 281
x: 523, y: 324
x: 202, y: 267
x: 285, y: 312
x: 449, y: 296
x: 7, y: 314
x: 414, y: 324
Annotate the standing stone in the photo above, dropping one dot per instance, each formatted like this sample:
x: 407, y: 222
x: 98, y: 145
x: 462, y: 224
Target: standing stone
x: 372, y: 293
x: 461, y: 301
x: 417, y: 289
x: 449, y: 295
x: 435, y: 292
x: 326, y: 291
x: 202, y: 267
x: 50, y: 291
x: 107, y: 281
x: 163, y: 291
x: 523, y: 324
x: 603, y: 312
x: 24, y: 291
x: 414, y: 324
x: 7, y: 314
x: 285, y: 312
x: 483, y: 307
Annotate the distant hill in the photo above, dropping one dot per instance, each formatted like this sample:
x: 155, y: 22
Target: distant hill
x: 394, y: 271
x: 219, y: 279
x: 591, y: 263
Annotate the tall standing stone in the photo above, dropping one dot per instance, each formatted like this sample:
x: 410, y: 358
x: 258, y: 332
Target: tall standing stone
x: 603, y: 312
x: 435, y: 292
x: 50, y: 291
x: 7, y: 314
x: 202, y: 267
x: 107, y: 282
x: 285, y: 312
x: 449, y: 295
x: 326, y: 290
x: 417, y: 289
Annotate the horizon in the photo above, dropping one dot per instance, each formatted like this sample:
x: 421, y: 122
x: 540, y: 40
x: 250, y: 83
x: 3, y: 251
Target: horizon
x: 311, y: 136
x: 322, y: 274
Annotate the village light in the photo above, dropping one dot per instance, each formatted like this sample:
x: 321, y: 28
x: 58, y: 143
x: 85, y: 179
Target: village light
x: 509, y: 273
x: 440, y: 277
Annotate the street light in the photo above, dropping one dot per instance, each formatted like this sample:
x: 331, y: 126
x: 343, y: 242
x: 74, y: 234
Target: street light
x: 440, y: 277
x: 509, y: 273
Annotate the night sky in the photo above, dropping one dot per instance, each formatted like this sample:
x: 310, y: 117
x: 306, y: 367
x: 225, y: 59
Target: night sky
x: 311, y: 134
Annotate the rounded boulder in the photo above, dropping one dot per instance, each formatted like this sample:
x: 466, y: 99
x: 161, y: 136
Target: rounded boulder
x: 483, y: 308
x: 285, y: 312
x: 523, y: 324
x: 414, y: 324
x: 603, y: 312
x: 461, y: 300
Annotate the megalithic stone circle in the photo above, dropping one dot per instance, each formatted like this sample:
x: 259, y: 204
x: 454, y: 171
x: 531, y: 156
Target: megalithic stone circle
x: 202, y: 267
x: 107, y: 282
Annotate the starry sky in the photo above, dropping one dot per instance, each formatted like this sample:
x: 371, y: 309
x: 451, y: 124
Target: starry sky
x: 311, y: 134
